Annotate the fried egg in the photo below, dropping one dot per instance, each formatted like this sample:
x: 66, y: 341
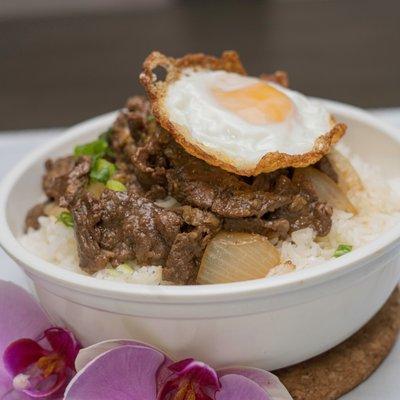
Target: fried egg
x: 243, y: 124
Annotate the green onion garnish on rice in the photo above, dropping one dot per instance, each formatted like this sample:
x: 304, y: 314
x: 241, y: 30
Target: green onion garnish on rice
x: 342, y: 249
x: 117, y: 186
x: 124, y: 268
x: 66, y: 218
x: 102, y: 170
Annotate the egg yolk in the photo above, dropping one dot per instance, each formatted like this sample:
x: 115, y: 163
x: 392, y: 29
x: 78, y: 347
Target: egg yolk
x: 259, y: 103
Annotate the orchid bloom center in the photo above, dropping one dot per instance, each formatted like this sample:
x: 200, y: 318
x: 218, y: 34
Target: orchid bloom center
x: 190, y: 380
x: 43, y: 366
x: 187, y: 391
x: 39, y: 371
x: 50, y: 364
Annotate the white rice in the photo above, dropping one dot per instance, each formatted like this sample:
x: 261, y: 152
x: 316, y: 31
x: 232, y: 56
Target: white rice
x: 378, y: 210
x: 55, y: 243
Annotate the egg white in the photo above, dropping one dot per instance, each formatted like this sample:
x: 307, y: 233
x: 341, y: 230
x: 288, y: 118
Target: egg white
x: 190, y: 103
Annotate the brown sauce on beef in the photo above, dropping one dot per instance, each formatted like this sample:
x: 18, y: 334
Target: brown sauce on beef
x: 121, y: 226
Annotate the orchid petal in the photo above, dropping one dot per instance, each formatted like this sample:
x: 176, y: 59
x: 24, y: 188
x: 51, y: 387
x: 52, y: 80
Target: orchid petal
x: 168, y: 387
x: 5, y: 385
x: 12, y: 394
x: 198, y: 371
x: 238, y: 387
x: 268, y: 381
x: 88, y: 354
x: 123, y: 373
x: 21, y: 316
x: 19, y: 355
x: 63, y: 342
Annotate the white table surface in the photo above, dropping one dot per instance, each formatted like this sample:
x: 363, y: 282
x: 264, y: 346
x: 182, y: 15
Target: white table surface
x: 384, y: 384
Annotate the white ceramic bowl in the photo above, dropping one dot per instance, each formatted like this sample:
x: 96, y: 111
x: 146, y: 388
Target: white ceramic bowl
x: 267, y: 323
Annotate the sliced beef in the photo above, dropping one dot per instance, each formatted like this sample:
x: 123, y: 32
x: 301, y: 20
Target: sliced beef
x: 149, y: 166
x: 162, y: 166
x: 304, y: 209
x: 32, y: 218
x: 321, y: 218
x: 65, y: 178
x: 184, y: 259
x: 138, y: 143
x: 196, y: 217
x: 314, y: 215
x: 123, y: 226
x: 87, y: 213
x: 209, y: 188
x: 273, y: 229
x: 187, y: 251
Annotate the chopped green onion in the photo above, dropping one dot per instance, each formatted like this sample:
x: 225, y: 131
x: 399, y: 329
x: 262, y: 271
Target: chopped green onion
x: 102, y: 170
x: 111, y: 272
x: 124, y: 268
x: 96, y: 149
x: 101, y: 175
x: 117, y: 186
x: 342, y: 249
x: 66, y: 218
x: 151, y: 118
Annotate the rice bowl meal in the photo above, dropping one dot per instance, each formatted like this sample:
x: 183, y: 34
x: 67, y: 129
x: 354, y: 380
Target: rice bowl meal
x: 217, y: 177
x: 139, y: 212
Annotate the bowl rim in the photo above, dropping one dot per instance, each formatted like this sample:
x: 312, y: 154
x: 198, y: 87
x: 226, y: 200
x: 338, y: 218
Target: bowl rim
x: 192, y: 293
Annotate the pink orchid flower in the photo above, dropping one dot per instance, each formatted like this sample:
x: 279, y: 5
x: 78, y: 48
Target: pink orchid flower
x: 129, y: 370
x: 36, y: 359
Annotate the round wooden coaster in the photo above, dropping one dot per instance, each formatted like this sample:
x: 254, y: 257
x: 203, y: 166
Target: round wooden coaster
x: 336, y: 372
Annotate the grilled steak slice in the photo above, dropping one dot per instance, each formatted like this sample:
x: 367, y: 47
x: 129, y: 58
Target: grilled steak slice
x: 122, y: 226
x: 304, y: 209
x: 65, y: 178
x: 187, y: 251
x: 138, y: 143
x: 210, y: 188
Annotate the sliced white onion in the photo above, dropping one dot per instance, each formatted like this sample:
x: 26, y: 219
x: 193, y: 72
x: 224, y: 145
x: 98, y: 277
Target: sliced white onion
x: 167, y: 202
x: 236, y: 256
x: 348, y: 176
x: 327, y: 189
